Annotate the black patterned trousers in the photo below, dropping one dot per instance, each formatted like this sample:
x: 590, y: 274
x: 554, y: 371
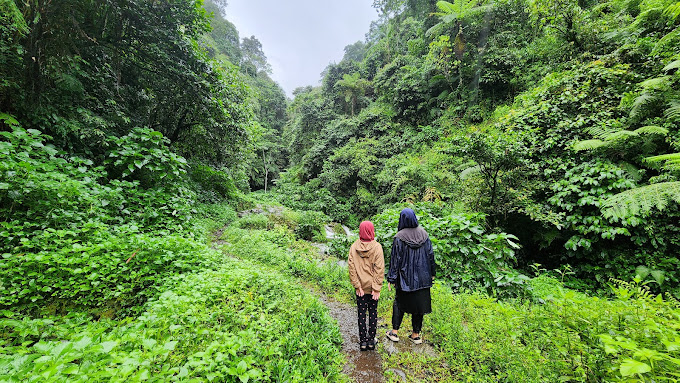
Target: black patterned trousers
x: 364, y: 304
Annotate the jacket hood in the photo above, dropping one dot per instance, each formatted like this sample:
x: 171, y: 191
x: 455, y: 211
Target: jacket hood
x: 414, y: 237
x: 364, y: 249
x: 407, y: 219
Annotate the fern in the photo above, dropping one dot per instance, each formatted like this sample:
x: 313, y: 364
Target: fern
x: 674, y: 110
x: 656, y: 83
x: 651, y: 129
x: 641, y: 201
x: 673, y: 10
x: 640, y: 102
x: 669, y: 162
x: 673, y: 65
x: 621, y: 135
x: 588, y: 145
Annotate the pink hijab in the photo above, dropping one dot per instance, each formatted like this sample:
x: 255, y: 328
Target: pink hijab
x: 366, y: 231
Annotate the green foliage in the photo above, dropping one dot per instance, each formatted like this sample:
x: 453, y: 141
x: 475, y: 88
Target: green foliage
x: 567, y: 337
x: 212, y: 185
x: 72, y: 238
x: 642, y: 201
x: 143, y: 155
x: 467, y: 257
x: 264, y: 333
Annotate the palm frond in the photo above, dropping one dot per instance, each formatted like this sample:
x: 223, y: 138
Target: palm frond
x: 651, y: 129
x: 445, y: 7
x: 641, y: 201
x: 588, y: 145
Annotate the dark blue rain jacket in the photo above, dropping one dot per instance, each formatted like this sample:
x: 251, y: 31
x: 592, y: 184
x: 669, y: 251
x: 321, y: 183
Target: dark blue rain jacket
x: 412, y: 264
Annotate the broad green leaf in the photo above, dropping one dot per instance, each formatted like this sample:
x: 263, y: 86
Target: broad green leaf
x: 631, y: 367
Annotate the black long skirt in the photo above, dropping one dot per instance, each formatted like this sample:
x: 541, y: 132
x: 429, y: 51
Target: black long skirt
x: 414, y: 302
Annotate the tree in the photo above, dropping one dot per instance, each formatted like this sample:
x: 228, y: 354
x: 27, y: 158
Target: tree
x: 353, y: 87
x: 254, y: 59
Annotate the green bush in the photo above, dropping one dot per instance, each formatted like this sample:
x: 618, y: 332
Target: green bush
x: 569, y: 337
x: 466, y: 255
x: 109, y: 270
x: 212, y: 185
x: 310, y: 225
x: 253, y: 222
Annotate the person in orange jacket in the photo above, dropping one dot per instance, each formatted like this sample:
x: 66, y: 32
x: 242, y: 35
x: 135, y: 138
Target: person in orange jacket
x: 366, y: 268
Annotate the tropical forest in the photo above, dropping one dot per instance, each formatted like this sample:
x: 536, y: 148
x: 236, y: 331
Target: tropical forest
x: 168, y: 213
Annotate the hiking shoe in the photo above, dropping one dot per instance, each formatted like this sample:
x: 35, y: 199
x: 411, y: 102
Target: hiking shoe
x: 416, y: 340
x: 392, y: 336
x: 363, y: 346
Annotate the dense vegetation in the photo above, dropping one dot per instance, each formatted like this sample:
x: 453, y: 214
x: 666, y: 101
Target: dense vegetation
x: 557, y: 120
x: 538, y: 142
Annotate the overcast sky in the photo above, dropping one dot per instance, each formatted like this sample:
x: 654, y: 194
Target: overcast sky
x: 301, y: 37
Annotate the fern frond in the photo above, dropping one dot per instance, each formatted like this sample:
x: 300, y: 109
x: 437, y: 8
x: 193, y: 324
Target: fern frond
x: 651, y: 129
x: 673, y: 10
x: 640, y: 102
x: 588, y: 145
x: 599, y: 131
x: 673, y: 65
x: 641, y: 201
x: 632, y: 170
x: 656, y: 83
x: 668, y: 161
x: 673, y: 111
x: 621, y: 135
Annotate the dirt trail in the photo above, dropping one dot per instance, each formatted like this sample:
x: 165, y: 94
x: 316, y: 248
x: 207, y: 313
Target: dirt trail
x: 360, y: 366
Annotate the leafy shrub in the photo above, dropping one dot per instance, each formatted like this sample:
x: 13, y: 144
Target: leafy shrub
x: 310, y: 225
x: 569, y: 337
x: 42, y: 188
x: 213, y: 185
x: 107, y: 271
x: 144, y: 155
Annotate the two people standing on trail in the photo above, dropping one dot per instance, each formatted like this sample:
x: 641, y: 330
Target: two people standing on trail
x: 412, y: 271
x: 366, y: 269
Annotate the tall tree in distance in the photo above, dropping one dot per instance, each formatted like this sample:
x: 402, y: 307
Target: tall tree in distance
x: 253, y: 60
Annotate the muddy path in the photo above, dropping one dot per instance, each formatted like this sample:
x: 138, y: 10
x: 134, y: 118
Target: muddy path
x: 361, y: 366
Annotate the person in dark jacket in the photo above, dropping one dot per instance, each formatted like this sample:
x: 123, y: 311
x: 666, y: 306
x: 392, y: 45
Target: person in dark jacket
x: 412, y: 271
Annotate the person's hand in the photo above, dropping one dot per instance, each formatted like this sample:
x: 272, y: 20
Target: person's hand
x: 389, y: 286
x: 375, y: 295
x: 360, y: 292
